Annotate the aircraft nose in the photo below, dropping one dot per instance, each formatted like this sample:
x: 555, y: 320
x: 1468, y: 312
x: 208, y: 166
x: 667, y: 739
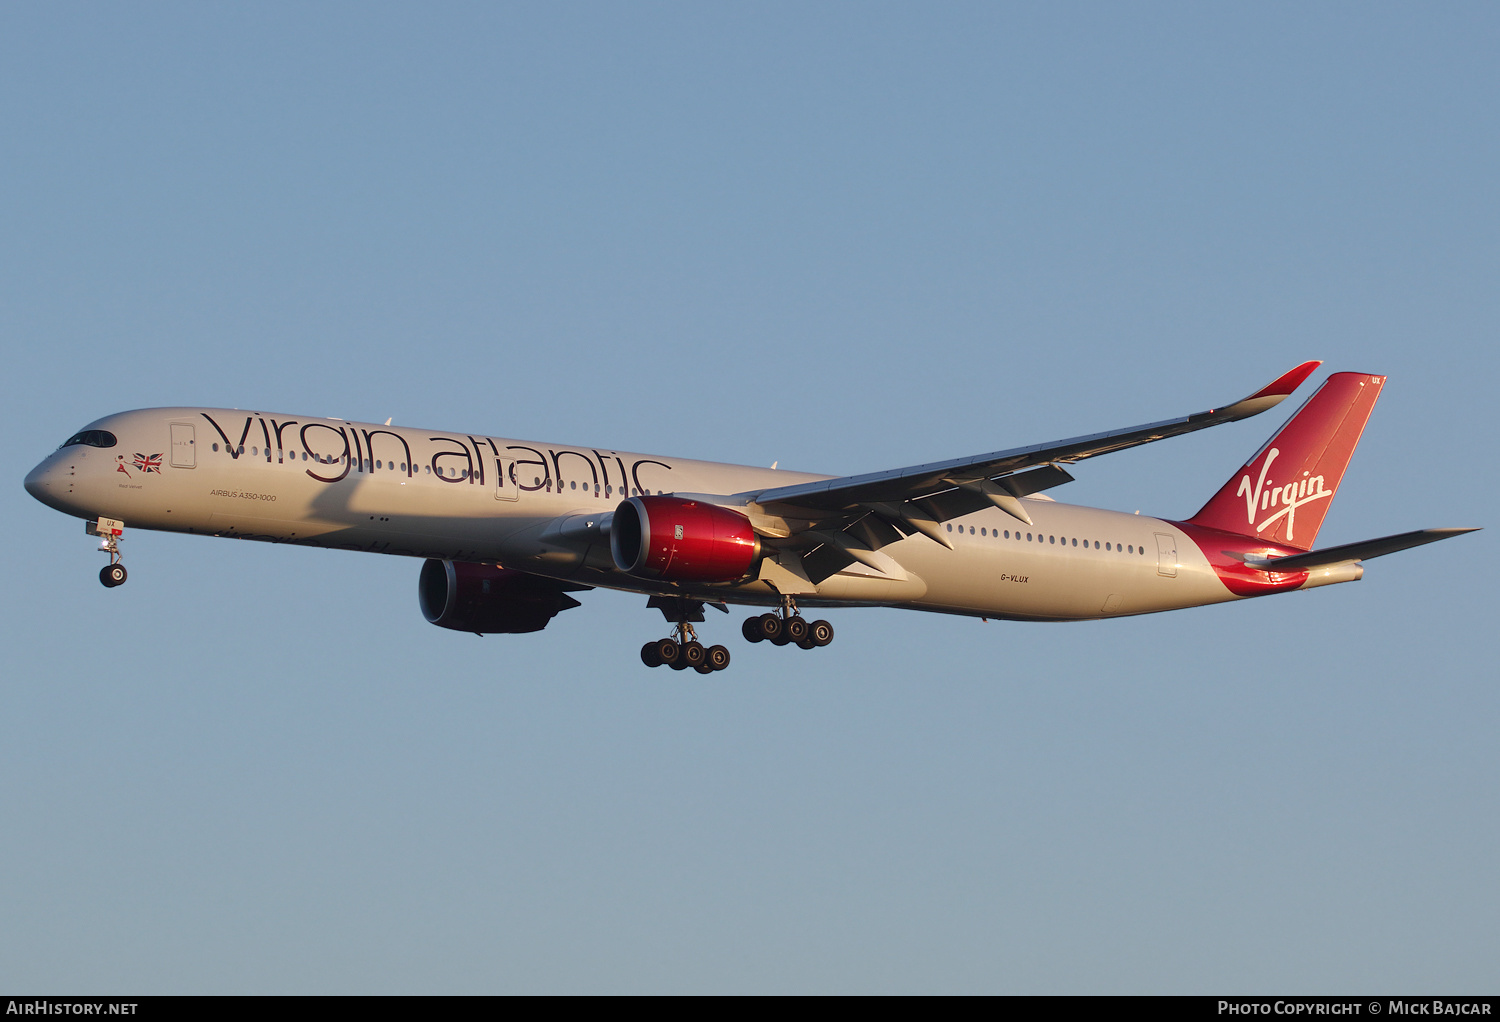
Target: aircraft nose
x: 48, y: 484
x: 36, y: 481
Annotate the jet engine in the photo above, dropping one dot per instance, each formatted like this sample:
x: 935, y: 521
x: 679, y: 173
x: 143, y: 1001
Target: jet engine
x: 486, y: 598
x: 682, y: 540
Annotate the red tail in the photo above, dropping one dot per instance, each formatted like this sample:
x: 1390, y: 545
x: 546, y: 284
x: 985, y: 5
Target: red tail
x: 1282, y: 494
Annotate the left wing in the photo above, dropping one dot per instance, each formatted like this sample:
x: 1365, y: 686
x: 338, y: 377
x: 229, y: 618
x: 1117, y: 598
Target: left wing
x: 842, y: 520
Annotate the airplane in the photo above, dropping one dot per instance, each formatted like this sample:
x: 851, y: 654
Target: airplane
x: 509, y: 528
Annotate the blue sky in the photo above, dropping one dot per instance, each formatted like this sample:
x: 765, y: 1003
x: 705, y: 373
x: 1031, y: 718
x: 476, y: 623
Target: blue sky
x: 843, y: 237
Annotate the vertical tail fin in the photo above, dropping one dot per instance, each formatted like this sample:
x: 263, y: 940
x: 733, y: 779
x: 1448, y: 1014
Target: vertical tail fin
x: 1282, y: 494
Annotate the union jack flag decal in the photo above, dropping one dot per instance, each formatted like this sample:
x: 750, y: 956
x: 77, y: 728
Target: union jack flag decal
x: 148, y: 463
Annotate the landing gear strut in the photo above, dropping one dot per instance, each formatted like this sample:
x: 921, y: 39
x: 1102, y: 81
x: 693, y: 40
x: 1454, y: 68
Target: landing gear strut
x: 109, y: 531
x: 682, y: 650
x: 788, y: 625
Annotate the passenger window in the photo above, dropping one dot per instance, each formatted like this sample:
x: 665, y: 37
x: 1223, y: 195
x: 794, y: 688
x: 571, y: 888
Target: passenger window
x: 1075, y: 540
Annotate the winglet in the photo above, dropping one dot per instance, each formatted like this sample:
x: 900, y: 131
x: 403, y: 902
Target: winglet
x: 1287, y: 382
x: 1272, y: 393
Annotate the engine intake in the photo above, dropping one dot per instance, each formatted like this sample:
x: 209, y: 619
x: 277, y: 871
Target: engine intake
x: 682, y: 540
x: 489, y: 599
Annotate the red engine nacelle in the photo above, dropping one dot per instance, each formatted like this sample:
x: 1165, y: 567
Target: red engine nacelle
x: 682, y: 540
x: 486, y: 598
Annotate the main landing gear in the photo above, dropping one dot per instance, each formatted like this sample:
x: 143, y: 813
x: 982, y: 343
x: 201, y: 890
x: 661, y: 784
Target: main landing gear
x: 787, y: 626
x: 685, y: 651
x: 682, y: 650
x: 109, y: 531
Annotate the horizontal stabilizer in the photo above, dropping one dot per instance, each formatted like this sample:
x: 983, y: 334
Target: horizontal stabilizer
x: 1353, y: 551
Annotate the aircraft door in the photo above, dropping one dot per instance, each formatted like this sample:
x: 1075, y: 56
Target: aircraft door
x: 505, y: 479
x: 183, y: 453
x: 1166, y: 555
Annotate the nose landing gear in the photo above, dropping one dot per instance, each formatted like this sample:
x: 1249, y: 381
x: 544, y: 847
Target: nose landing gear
x: 683, y: 651
x: 109, y: 531
x: 788, y: 626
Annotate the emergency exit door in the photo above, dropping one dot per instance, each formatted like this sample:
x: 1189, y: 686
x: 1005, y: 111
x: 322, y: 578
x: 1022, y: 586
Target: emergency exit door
x: 183, y: 453
x: 1166, y: 555
x: 505, y: 479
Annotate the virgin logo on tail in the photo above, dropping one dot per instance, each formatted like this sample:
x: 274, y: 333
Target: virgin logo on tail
x: 1286, y: 498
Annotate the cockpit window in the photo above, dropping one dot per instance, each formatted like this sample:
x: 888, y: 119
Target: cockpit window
x: 91, y: 438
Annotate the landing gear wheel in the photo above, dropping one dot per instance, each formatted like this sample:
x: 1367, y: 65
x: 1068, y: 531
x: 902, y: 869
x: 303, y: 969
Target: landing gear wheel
x: 650, y: 656
x: 808, y: 643
x: 112, y: 575
x: 770, y: 627
x: 704, y: 668
x: 693, y: 654
x: 795, y: 629
x: 667, y: 652
x: 750, y: 629
x: 718, y: 658
x: 821, y: 633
